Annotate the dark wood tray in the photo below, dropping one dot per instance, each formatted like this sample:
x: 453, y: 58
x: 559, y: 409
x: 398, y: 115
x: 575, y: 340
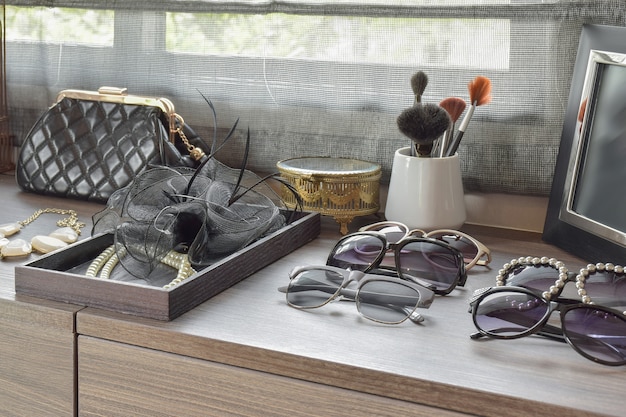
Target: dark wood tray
x: 51, y: 276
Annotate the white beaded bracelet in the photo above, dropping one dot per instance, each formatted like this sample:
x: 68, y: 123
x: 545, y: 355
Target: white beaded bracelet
x: 108, y: 259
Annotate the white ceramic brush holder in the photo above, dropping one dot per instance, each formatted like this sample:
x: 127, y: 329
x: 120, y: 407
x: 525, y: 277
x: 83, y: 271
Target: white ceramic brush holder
x: 426, y: 193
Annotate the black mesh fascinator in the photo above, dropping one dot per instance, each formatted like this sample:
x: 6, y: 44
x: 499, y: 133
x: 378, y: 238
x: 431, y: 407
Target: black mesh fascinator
x: 207, y: 213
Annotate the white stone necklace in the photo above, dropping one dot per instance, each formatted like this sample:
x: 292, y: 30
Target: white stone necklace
x: 68, y: 232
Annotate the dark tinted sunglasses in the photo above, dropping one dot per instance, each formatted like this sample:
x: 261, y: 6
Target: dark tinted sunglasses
x: 474, y: 252
x: 528, y: 292
x: 428, y: 262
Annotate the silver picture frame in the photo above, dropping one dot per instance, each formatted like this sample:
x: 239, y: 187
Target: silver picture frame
x: 587, y: 208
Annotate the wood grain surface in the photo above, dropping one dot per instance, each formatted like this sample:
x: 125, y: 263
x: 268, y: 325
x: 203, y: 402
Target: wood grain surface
x: 118, y: 380
x: 248, y: 336
x: 435, y: 363
x: 37, y: 337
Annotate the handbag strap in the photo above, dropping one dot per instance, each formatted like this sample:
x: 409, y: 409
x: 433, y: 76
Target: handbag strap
x: 195, y: 152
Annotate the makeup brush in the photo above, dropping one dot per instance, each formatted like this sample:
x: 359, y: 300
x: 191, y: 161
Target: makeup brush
x: 455, y: 107
x: 480, y: 94
x: 423, y: 124
x: 581, y: 114
x: 419, y: 81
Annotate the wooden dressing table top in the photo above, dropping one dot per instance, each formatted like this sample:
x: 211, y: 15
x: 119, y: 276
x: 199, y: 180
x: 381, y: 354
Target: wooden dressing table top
x: 16, y: 205
x: 435, y: 363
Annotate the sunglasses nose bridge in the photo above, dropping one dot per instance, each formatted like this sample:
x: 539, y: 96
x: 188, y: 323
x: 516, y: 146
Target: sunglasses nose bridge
x: 353, y: 276
x: 553, y: 307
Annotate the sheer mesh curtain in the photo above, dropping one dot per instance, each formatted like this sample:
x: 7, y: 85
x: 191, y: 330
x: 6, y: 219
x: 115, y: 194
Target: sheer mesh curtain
x: 6, y: 148
x: 320, y: 77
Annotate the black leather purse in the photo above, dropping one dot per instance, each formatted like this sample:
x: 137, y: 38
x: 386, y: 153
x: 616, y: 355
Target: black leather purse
x: 90, y: 144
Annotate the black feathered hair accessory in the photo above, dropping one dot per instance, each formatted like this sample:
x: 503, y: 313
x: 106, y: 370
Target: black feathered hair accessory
x: 206, y: 213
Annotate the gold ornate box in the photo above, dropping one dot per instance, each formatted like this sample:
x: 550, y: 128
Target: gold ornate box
x: 339, y: 187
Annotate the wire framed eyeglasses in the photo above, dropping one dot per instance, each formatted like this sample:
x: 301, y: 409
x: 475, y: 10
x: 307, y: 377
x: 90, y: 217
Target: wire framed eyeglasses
x: 474, y: 252
x: 427, y: 262
x: 519, y: 307
x: 378, y: 298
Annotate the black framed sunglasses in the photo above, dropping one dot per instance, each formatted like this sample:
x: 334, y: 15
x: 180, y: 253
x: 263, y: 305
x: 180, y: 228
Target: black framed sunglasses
x: 529, y: 290
x: 378, y: 298
x: 474, y: 252
x: 428, y: 262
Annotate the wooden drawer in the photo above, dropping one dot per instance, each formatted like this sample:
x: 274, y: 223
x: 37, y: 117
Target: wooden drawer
x: 115, y: 379
x: 37, y: 360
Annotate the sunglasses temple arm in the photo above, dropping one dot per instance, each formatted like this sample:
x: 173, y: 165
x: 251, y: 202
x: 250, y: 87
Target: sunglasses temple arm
x: 416, y: 317
x: 553, y: 333
x: 388, y: 271
x: 548, y: 331
x: 324, y: 288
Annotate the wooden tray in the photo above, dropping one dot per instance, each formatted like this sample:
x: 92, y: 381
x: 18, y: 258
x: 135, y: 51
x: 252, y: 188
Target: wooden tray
x: 50, y: 276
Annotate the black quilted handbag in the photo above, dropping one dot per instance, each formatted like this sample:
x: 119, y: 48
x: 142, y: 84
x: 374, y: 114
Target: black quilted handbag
x: 90, y: 144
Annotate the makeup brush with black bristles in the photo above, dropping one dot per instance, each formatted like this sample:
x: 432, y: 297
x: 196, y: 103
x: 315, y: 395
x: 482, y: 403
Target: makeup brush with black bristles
x: 419, y: 81
x: 455, y: 106
x: 423, y: 124
x: 480, y: 94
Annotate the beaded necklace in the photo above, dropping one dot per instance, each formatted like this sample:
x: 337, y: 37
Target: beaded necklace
x: 68, y: 232
x: 108, y: 259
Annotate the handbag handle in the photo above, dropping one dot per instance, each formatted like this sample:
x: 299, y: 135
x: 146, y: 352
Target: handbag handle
x: 121, y: 96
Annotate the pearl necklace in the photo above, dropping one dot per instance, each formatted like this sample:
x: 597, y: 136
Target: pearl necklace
x: 109, y: 258
x: 535, y: 261
x: 563, y: 275
x: 591, y: 269
x: 68, y: 232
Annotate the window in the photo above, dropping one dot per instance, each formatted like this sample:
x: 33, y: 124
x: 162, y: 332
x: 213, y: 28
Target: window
x: 60, y: 25
x: 458, y: 42
x: 320, y: 77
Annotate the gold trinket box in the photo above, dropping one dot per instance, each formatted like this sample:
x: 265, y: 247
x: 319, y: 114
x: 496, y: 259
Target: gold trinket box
x: 339, y: 187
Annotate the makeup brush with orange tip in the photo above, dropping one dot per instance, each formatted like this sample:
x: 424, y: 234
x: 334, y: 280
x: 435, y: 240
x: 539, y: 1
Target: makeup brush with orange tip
x: 480, y: 94
x: 455, y: 106
x: 581, y: 114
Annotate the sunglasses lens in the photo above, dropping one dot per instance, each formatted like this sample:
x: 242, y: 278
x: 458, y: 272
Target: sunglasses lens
x: 597, y: 334
x: 393, y: 232
x: 313, y: 288
x: 606, y: 287
x: 535, y: 277
x: 460, y: 243
x: 356, y: 252
x: 387, y: 302
x: 429, y: 264
x: 509, y: 313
